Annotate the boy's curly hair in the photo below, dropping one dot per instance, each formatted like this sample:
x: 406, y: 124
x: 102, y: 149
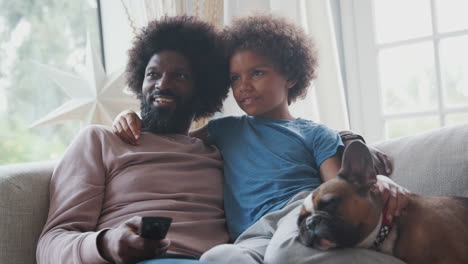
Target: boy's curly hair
x: 200, y: 43
x: 285, y: 44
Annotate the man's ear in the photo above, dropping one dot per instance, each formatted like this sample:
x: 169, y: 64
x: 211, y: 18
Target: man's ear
x: 290, y: 83
x: 357, y: 166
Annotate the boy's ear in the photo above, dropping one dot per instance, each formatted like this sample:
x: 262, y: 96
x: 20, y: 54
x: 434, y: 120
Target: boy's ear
x: 290, y: 84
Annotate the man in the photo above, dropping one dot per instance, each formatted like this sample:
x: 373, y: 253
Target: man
x: 102, y: 186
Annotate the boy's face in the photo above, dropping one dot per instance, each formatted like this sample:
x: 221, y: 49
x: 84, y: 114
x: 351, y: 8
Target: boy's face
x: 259, y: 89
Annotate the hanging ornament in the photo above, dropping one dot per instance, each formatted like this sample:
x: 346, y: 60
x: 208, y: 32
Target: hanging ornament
x: 95, y: 98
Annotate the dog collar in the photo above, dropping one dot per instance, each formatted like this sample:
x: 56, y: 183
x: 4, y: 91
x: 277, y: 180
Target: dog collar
x: 385, y: 229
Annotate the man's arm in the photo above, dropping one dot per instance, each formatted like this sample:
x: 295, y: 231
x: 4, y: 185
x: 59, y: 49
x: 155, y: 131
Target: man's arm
x: 76, y: 197
x: 394, y: 197
x: 382, y: 163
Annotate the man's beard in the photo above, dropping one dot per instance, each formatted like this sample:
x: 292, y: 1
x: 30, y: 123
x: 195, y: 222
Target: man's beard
x: 165, y: 120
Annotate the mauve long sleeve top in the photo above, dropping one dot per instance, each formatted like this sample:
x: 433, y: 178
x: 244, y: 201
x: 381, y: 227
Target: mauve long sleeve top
x: 102, y: 181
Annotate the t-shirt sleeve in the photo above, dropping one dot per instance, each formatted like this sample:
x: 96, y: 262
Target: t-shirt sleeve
x: 76, y: 196
x: 219, y: 129
x: 325, y: 143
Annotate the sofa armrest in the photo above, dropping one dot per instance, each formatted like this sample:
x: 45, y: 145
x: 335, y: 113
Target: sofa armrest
x: 431, y: 163
x: 24, y: 204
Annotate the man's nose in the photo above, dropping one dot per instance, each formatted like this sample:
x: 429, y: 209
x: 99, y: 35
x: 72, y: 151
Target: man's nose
x: 163, y: 83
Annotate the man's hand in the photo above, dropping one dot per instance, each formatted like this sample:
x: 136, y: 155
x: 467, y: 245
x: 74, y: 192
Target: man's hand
x: 127, y: 125
x: 394, y: 197
x: 382, y: 164
x: 124, y: 245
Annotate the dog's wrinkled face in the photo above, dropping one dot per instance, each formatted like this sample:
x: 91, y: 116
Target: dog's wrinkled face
x: 343, y: 211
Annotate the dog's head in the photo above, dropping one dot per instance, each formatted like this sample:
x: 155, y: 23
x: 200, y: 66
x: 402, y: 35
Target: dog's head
x: 343, y: 211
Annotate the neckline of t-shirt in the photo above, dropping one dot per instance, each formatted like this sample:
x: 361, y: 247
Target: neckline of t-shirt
x: 181, y: 138
x: 273, y: 120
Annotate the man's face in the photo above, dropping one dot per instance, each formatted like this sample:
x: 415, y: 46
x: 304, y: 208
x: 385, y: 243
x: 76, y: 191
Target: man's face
x: 168, y: 86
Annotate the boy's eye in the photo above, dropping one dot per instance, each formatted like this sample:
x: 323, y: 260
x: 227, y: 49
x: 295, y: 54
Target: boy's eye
x: 234, y: 78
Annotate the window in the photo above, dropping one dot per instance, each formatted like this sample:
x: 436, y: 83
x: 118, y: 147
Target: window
x: 406, y: 65
x: 47, y: 32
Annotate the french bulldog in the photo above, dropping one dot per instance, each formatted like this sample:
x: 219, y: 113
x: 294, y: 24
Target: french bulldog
x: 347, y: 212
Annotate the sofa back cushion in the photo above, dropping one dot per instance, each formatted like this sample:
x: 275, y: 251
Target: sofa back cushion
x: 24, y: 204
x: 431, y: 163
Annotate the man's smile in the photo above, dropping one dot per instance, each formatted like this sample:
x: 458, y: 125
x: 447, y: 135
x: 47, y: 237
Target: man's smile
x: 163, y: 100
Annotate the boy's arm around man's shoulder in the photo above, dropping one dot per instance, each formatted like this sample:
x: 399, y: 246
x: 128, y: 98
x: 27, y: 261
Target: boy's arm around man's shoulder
x: 76, y: 197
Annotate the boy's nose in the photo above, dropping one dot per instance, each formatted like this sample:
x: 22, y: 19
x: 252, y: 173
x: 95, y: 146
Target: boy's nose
x: 245, y: 85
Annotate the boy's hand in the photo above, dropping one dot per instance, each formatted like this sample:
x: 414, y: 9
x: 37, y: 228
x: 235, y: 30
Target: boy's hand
x: 382, y: 163
x: 127, y: 125
x: 124, y: 245
x: 394, y: 197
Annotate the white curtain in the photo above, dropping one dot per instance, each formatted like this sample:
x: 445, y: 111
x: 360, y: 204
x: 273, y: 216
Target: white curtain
x: 325, y: 101
x: 140, y: 12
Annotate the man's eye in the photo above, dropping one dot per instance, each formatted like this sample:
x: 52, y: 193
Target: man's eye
x: 151, y: 74
x: 182, y: 76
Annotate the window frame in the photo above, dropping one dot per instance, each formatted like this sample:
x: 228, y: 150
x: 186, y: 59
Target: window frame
x: 361, y: 52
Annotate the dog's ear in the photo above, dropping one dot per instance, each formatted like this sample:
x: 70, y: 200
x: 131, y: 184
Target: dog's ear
x: 357, y: 167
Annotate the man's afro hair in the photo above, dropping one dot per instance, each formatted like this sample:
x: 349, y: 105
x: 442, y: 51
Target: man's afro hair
x: 200, y: 43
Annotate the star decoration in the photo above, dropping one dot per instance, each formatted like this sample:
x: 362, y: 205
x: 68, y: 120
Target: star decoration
x: 96, y: 98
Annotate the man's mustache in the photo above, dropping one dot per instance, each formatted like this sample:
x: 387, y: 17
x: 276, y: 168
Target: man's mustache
x: 158, y: 92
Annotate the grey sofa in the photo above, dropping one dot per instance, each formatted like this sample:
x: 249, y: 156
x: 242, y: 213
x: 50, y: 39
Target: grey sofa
x: 432, y: 163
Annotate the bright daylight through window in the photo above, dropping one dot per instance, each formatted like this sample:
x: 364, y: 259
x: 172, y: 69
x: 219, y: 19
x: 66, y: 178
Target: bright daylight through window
x: 423, y: 63
x: 36, y: 32
x: 409, y: 61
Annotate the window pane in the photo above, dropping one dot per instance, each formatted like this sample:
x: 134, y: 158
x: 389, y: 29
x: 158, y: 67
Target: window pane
x: 47, y: 32
x: 407, y: 78
x: 402, y: 19
x: 454, y: 119
x: 454, y: 69
x: 452, y: 15
x: 410, y: 126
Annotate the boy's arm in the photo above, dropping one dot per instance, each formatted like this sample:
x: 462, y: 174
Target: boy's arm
x: 330, y: 167
x: 394, y: 197
x: 382, y: 163
x: 201, y: 133
x: 127, y: 125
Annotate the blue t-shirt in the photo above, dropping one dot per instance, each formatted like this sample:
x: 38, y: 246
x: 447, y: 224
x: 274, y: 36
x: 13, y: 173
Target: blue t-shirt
x: 267, y: 162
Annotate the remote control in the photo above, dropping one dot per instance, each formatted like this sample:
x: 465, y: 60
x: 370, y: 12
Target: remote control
x: 154, y: 227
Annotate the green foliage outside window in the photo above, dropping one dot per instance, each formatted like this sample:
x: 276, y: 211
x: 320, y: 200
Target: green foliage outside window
x: 50, y: 32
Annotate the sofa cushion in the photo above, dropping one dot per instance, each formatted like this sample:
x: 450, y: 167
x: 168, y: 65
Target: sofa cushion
x: 431, y: 163
x: 24, y: 203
